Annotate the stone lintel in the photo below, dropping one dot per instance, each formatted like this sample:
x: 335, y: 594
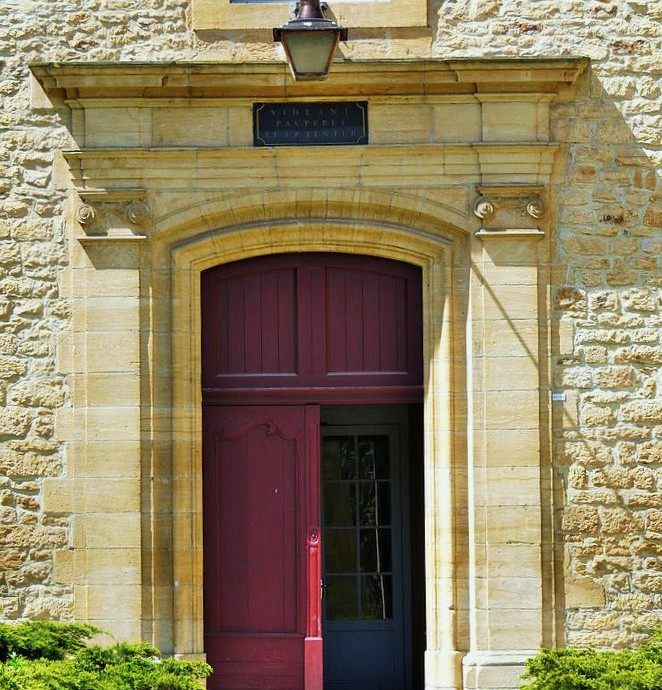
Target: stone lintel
x: 392, y: 166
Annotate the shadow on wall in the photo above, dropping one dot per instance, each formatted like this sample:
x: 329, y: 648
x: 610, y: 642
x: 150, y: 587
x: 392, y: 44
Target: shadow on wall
x: 606, y: 357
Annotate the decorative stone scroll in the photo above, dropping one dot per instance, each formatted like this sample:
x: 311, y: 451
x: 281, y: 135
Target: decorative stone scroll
x: 138, y: 213
x: 85, y: 214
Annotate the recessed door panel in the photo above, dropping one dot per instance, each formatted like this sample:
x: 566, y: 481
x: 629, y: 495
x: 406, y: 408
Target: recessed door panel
x: 255, y: 507
x: 250, y: 323
x: 367, y: 321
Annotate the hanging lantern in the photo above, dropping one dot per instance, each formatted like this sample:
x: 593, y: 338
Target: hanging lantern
x: 310, y: 42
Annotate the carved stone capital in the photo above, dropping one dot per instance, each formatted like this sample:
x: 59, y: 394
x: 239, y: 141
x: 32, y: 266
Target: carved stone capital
x: 112, y: 213
x: 510, y: 206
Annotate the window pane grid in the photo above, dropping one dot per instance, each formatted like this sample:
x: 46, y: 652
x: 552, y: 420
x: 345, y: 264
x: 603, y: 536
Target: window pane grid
x: 357, y: 534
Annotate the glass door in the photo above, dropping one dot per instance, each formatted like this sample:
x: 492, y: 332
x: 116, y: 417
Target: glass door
x: 365, y: 579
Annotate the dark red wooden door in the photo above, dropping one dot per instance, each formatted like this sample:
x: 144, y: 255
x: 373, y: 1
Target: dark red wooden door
x: 280, y: 336
x: 260, y: 545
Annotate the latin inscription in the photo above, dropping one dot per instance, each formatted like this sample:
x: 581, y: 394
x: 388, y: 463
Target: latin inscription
x: 310, y: 124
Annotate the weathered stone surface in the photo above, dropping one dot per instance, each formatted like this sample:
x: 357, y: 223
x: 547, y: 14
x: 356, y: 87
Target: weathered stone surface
x: 570, y: 299
x: 37, y: 393
x: 643, y: 478
x: 49, y: 607
x: 14, y: 421
x: 643, y: 499
x: 653, y: 215
x: 576, y: 377
x: 619, y: 520
x: 604, y: 301
x: 650, y: 452
x: 29, y: 575
x: 648, y: 583
x: 643, y: 354
x: 595, y: 415
x: 613, y: 477
x: 580, y: 519
x: 12, y: 367
x: 647, y: 411
x: 578, y: 477
x: 615, y: 377
x: 26, y: 464
x: 603, y: 336
x: 654, y: 520
x: 10, y: 559
x: 624, y: 432
x: 639, y: 299
x: 598, y: 497
x: 584, y: 453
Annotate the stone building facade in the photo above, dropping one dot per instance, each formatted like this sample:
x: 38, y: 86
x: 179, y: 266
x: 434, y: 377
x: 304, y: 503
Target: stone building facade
x: 515, y: 154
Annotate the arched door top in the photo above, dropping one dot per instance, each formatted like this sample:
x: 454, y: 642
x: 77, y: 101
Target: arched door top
x: 312, y: 326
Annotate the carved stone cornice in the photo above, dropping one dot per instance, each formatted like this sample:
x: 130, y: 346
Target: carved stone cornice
x: 155, y: 81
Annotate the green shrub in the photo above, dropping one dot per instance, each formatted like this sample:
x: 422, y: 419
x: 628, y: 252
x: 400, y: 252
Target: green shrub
x: 43, y: 639
x: 54, y: 656
x: 588, y: 669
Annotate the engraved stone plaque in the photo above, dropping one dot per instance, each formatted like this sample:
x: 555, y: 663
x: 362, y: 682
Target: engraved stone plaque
x: 310, y: 124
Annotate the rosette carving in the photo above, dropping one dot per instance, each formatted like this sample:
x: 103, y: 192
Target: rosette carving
x: 536, y: 208
x: 484, y: 208
x: 85, y: 214
x: 138, y: 213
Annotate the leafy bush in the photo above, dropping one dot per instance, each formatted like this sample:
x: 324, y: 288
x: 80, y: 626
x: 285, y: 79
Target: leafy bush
x: 588, y: 669
x: 54, y: 656
x: 43, y: 639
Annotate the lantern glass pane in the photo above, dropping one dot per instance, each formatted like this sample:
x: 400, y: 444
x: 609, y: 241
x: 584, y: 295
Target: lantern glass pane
x: 310, y: 51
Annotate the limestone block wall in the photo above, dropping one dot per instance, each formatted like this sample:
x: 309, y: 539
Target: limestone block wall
x: 605, y: 462
x: 607, y: 445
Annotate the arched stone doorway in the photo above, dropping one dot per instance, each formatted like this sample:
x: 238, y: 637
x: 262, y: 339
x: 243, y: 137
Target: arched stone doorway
x: 433, y: 256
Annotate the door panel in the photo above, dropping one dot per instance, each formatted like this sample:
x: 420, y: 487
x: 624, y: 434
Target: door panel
x: 311, y: 327
x: 365, y: 557
x: 253, y: 319
x: 255, y: 526
x: 378, y: 304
